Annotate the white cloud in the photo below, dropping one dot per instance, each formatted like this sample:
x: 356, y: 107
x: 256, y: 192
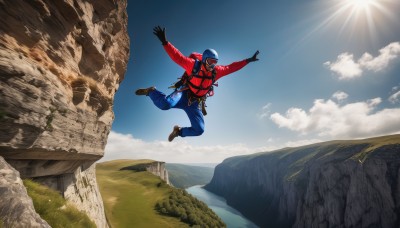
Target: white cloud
x: 353, y: 120
x: 380, y: 62
x: 340, y: 95
x: 346, y: 68
x: 296, y: 119
x: 125, y: 146
x: 395, y: 98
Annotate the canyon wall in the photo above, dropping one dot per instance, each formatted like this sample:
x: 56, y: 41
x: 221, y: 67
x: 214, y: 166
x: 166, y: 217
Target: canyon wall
x: 332, y: 184
x: 61, y: 63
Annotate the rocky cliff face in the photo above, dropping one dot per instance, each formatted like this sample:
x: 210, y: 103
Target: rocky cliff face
x: 16, y: 208
x: 155, y: 167
x: 81, y: 189
x: 333, y: 184
x: 61, y: 63
x: 158, y: 169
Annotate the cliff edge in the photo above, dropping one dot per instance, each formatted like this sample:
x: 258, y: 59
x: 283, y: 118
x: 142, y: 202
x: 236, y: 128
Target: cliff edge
x: 333, y: 184
x: 157, y: 168
x: 61, y: 63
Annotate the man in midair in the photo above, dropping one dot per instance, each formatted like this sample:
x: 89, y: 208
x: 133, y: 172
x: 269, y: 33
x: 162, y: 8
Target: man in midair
x: 201, y: 72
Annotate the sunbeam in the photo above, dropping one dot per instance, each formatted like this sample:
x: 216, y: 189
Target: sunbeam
x: 353, y: 18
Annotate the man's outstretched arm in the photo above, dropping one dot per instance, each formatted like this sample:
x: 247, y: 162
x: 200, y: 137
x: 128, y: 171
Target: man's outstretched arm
x: 183, y: 61
x: 225, y: 70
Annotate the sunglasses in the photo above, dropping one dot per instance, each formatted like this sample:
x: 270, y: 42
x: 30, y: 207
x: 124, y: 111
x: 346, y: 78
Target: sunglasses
x: 211, y: 62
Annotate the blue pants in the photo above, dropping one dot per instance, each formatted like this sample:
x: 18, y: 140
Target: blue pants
x: 180, y: 100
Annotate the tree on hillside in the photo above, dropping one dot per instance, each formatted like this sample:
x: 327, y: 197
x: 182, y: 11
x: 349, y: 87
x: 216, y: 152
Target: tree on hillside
x: 190, y: 210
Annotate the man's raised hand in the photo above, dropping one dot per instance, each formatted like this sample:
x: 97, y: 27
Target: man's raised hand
x: 160, y: 33
x: 253, y: 58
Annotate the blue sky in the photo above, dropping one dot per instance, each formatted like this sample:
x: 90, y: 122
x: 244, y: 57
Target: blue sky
x: 328, y: 69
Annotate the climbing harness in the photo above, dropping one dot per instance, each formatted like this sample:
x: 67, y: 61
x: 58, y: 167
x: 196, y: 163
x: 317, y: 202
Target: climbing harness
x: 195, y: 90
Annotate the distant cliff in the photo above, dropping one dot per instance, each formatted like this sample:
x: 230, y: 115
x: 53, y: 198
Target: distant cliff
x: 61, y: 63
x: 332, y: 184
x: 155, y: 167
x: 158, y: 169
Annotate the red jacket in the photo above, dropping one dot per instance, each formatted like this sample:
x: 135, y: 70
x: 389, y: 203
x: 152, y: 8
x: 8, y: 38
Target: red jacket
x: 187, y: 63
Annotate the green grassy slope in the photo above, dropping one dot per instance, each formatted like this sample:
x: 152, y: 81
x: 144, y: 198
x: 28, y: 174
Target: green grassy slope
x: 184, y: 176
x: 53, y: 208
x: 136, y: 198
x: 130, y: 197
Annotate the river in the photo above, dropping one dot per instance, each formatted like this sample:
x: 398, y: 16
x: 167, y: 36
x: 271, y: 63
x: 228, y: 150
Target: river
x: 231, y: 217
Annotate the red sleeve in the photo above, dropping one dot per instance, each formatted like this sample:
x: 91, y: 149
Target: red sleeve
x: 225, y: 70
x: 183, y: 61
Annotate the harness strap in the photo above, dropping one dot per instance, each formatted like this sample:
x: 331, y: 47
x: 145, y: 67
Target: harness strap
x: 202, y: 76
x: 198, y: 87
x: 185, y: 81
x: 192, y: 98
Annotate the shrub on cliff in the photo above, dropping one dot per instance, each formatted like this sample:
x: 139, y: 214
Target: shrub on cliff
x: 53, y: 208
x: 190, y: 210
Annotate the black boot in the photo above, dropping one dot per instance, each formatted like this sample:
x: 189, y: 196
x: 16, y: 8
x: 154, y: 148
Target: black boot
x: 141, y: 92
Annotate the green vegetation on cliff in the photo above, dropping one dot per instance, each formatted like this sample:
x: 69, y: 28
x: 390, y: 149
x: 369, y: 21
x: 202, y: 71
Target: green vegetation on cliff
x: 190, y: 210
x: 130, y: 196
x: 53, y: 208
x: 184, y: 176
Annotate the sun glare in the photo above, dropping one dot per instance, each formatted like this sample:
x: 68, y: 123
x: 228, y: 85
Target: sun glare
x: 360, y: 4
x: 359, y: 12
x: 364, y: 20
x: 355, y: 16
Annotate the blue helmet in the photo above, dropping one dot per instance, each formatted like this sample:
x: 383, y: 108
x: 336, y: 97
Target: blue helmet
x: 209, y: 53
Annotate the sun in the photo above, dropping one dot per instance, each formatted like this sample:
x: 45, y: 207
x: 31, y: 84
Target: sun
x: 358, y: 21
x: 359, y: 12
x: 358, y: 5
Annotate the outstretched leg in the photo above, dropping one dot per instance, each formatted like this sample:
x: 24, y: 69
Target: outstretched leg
x: 197, y: 121
x: 162, y: 101
x: 178, y: 100
x: 195, y: 115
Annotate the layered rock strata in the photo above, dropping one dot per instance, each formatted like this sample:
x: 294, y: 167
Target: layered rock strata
x: 61, y: 63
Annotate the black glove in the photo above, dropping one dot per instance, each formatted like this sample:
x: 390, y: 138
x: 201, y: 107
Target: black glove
x: 253, y: 58
x: 160, y: 33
